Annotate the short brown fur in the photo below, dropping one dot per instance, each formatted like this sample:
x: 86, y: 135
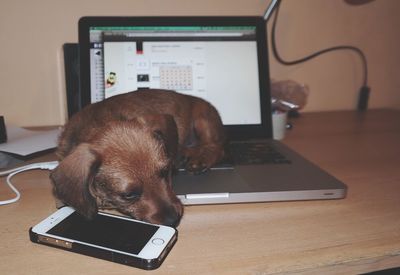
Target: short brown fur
x: 120, y: 153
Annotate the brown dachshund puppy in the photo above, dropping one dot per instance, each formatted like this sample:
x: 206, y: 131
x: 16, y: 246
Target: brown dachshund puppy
x: 119, y: 153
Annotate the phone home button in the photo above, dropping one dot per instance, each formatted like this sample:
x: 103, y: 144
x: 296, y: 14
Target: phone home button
x: 157, y: 241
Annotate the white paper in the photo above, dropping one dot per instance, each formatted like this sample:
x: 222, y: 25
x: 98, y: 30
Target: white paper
x: 25, y: 142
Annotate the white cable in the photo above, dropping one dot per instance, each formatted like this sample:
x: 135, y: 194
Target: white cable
x: 270, y: 9
x: 12, y: 172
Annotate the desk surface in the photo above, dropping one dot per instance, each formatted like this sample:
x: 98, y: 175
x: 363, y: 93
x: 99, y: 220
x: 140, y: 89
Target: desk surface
x: 358, y: 234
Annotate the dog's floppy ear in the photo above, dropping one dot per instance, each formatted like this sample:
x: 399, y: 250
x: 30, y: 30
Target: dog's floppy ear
x: 72, y: 177
x: 164, y: 129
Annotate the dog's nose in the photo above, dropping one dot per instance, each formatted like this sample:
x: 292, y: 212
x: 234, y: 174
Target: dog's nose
x: 172, y: 218
x: 173, y: 222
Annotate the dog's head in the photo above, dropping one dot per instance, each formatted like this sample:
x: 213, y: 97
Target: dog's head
x: 128, y: 168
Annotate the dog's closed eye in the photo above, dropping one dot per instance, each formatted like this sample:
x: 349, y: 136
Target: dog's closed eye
x: 132, y: 195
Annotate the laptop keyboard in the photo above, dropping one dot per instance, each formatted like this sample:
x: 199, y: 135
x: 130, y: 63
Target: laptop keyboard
x: 248, y: 153
x: 254, y: 153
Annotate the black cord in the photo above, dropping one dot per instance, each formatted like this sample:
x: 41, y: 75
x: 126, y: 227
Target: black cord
x: 318, y: 53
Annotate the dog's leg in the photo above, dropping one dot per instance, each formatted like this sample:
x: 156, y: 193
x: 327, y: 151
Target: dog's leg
x: 208, y: 148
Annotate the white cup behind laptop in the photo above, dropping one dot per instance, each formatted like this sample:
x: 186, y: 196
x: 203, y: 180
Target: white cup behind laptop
x: 279, y: 120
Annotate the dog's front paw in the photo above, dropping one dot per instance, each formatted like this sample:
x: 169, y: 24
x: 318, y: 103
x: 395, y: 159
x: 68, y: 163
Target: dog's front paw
x: 192, y: 165
x: 196, y: 167
x: 199, y: 159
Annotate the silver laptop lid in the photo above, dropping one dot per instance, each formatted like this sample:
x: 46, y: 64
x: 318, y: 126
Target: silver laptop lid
x: 221, y: 59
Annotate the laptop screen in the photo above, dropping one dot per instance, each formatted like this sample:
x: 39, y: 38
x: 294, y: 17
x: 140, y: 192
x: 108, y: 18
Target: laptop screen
x: 220, y: 59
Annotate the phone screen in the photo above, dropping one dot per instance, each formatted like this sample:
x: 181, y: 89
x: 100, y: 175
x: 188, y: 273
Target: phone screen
x: 105, y: 231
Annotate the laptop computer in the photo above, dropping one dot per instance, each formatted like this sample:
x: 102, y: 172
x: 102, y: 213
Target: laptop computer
x: 221, y: 59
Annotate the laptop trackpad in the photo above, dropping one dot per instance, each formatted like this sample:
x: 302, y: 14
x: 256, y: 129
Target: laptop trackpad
x: 211, y: 187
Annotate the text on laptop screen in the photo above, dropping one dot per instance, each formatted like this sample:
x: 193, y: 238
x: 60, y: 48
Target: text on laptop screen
x: 217, y: 63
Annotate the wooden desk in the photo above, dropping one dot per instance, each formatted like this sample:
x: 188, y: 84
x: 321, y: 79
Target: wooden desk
x: 358, y: 234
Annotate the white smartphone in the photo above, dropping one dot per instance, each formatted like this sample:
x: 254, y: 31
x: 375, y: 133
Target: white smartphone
x: 109, y: 237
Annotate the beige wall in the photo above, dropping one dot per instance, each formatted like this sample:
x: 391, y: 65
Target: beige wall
x: 32, y: 89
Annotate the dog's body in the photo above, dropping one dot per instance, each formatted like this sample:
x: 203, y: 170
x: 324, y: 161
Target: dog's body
x: 119, y: 153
